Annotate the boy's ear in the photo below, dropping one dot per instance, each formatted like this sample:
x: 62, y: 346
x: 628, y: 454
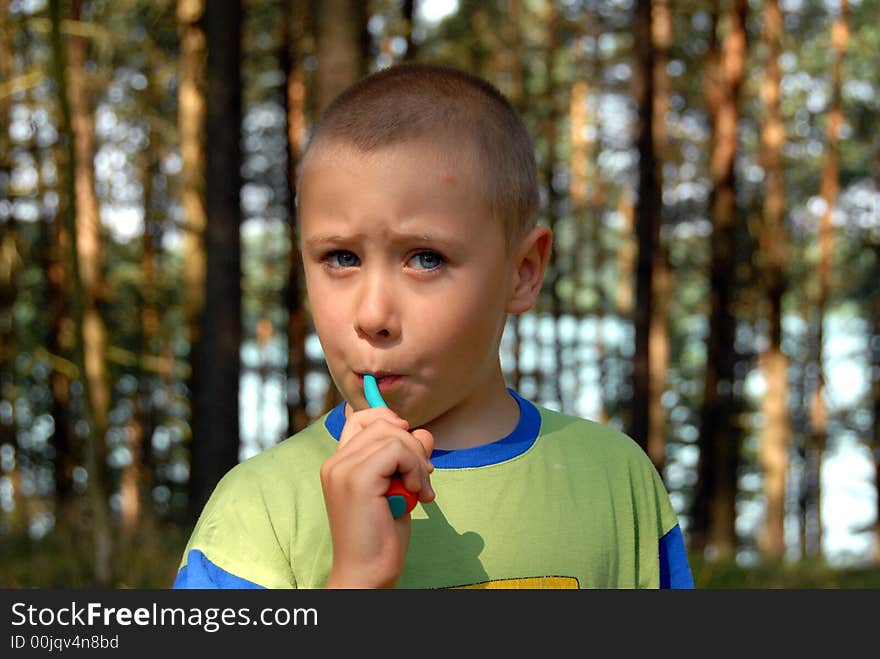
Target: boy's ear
x: 530, y: 263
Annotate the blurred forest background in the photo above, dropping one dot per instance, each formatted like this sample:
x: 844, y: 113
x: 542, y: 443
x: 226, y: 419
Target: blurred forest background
x: 711, y: 169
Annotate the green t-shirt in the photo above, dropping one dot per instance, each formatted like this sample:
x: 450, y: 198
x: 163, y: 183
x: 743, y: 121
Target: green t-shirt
x: 561, y: 502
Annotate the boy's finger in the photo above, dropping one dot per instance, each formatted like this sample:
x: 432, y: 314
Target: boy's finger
x: 426, y: 439
x: 358, y: 421
x: 388, y: 460
x: 384, y: 431
x: 379, y: 452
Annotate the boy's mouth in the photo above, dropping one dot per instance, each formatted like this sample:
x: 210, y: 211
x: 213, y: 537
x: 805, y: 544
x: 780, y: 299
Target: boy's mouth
x: 385, y: 381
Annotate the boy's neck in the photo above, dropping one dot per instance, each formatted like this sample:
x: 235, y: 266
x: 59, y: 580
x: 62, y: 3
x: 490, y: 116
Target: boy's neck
x: 479, y: 420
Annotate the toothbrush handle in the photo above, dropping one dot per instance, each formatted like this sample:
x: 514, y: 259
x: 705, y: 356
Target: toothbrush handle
x: 400, y: 499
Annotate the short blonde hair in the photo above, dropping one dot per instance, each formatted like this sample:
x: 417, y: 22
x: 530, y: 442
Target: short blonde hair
x: 421, y: 101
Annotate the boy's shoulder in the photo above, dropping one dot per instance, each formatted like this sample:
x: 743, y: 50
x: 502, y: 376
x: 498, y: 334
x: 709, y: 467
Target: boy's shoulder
x: 248, y: 521
x: 597, y: 441
x: 599, y: 453
x: 297, y: 455
x: 564, y: 425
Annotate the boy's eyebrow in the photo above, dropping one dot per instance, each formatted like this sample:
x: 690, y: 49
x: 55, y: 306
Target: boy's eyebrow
x: 394, y: 237
x: 322, y: 239
x: 422, y: 236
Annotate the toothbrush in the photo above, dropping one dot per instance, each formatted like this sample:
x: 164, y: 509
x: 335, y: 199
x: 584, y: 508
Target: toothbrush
x: 400, y: 500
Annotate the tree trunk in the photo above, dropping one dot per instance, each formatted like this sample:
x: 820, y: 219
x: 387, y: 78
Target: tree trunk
x: 623, y: 295
x: 773, y: 241
x: 137, y: 477
x: 651, y: 361
x: 549, y: 386
x: 342, y: 47
x: 830, y: 188
x: 714, y: 510
x: 215, y: 444
x: 408, y: 13
x: 647, y: 221
x: 516, y: 94
x: 82, y: 223
x: 10, y: 260
x: 191, y: 123
x: 292, y: 35
x: 598, y: 198
x: 60, y: 346
x: 661, y: 278
x: 579, y: 177
x: 58, y: 343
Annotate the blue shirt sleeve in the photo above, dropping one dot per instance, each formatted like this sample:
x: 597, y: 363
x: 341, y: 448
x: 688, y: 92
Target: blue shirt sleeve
x: 675, y: 572
x: 199, y: 572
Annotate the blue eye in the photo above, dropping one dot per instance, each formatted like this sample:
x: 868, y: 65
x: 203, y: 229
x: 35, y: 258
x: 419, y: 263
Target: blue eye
x: 341, y: 258
x: 427, y: 260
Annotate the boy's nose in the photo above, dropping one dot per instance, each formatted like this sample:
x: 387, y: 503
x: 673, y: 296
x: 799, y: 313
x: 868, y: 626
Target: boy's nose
x: 375, y: 315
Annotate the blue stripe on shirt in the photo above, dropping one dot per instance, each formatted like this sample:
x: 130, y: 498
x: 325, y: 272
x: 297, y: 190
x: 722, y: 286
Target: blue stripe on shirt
x: 516, y: 443
x: 675, y: 572
x: 199, y: 572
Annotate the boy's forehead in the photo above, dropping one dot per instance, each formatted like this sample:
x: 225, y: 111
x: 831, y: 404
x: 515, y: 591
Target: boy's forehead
x: 330, y: 170
x: 442, y: 151
x: 429, y: 205
x: 437, y: 163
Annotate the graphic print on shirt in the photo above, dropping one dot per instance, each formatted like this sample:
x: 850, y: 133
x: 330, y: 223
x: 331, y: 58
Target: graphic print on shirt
x: 526, y: 583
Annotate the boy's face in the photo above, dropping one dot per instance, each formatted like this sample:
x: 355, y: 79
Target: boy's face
x: 408, y: 275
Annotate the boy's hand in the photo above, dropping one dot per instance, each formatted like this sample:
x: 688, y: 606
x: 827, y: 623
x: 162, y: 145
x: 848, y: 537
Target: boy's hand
x: 369, y: 545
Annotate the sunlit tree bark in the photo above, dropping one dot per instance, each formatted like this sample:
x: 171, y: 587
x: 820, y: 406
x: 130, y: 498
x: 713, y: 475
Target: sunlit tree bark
x: 588, y: 195
x: 829, y: 192
x: 342, y: 47
x: 191, y: 122
x: 578, y: 165
x: 597, y: 199
x: 773, y: 259
x: 661, y: 278
x: 83, y: 226
x: 623, y: 295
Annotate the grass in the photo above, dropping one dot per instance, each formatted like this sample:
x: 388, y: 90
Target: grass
x: 62, y: 559
x: 805, y: 575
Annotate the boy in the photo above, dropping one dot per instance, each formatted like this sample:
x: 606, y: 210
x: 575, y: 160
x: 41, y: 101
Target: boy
x: 417, y: 202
